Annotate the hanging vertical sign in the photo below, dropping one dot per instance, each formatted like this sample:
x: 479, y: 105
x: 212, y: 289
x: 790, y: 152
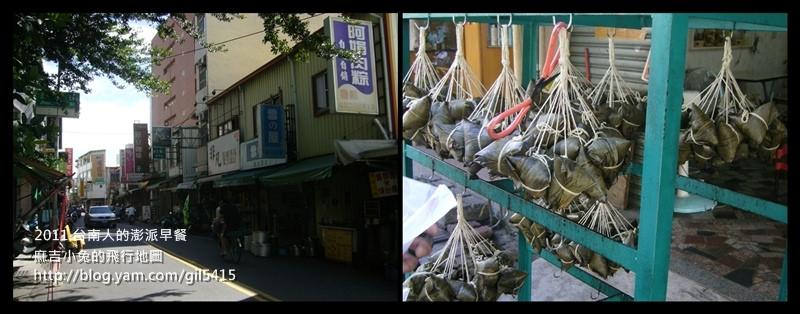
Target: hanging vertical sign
x: 273, y: 131
x: 141, y: 148
x: 113, y: 178
x: 98, y: 162
x: 129, y: 174
x: 354, y: 83
x: 162, y: 138
x: 69, y: 161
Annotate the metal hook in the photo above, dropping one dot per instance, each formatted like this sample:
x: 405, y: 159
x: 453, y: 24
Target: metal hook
x: 427, y: 23
x: 598, y: 294
x: 465, y: 19
x: 559, y: 273
x: 510, y: 17
x: 569, y: 25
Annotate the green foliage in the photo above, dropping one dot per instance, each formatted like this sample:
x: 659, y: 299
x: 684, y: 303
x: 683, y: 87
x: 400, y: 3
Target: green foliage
x: 83, y: 46
x: 296, y: 27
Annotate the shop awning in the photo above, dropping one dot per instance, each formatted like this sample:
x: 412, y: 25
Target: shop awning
x: 38, y: 174
x: 349, y: 151
x: 151, y: 185
x: 309, y: 169
x: 164, y: 184
x: 209, y: 178
x: 155, y: 185
x: 134, y: 189
x: 237, y: 178
x: 186, y: 186
x: 35, y: 172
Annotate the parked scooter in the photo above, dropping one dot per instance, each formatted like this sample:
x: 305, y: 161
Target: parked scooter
x: 30, y: 237
x: 199, y: 224
x: 173, y: 221
x: 74, y: 214
x: 70, y: 220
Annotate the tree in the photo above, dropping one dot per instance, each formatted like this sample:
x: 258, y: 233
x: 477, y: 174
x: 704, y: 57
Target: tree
x: 89, y: 45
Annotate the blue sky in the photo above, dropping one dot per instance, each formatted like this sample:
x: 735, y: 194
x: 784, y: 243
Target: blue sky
x: 107, y: 115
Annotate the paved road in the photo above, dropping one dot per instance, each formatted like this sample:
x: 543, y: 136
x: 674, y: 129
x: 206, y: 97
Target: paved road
x: 274, y: 278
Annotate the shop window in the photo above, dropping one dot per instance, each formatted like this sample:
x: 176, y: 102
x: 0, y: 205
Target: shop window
x: 320, y: 85
x: 201, y: 73
x: 228, y: 126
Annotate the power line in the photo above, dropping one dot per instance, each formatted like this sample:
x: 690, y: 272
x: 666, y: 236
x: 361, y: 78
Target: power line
x: 216, y: 44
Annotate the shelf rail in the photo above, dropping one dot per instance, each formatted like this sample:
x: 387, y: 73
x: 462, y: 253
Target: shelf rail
x: 650, y: 261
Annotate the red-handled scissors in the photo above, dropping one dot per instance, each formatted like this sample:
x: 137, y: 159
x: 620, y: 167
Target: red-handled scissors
x: 522, y: 108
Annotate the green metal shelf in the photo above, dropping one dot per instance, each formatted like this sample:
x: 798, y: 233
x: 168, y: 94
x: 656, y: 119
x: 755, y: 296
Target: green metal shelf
x: 650, y: 260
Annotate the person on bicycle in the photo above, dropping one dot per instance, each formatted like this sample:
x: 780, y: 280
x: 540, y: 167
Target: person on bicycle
x: 216, y: 224
x: 229, y: 215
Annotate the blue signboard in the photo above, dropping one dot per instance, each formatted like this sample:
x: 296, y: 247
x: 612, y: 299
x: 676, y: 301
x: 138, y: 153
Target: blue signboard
x: 354, y: 82
x: 273, y: 131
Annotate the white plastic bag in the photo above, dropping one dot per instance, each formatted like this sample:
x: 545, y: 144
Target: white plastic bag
x: 423, y: 206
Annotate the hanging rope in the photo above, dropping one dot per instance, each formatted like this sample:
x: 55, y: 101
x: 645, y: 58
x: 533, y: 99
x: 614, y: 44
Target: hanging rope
x: 422, y: 73
x: 460, y: 82
x: 506, y: 91
x: 612, y: 86
x: 723, y: 96
x: 463, y: 249
x: 556, y: 118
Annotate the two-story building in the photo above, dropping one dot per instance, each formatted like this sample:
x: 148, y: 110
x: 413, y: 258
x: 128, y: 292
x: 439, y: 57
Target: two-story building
x: 308, y: 149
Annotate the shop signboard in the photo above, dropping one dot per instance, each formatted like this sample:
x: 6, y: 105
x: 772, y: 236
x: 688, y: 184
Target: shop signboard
x: 141, y: 148
x: 251, y: 158
x: 273, y: 131
x: 223, y: 153
x: 354, y: 83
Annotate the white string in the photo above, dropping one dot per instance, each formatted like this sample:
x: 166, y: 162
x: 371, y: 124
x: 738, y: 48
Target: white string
x: 422, y: 73
x: 565, y: 101
x: 602, y: 216
x: 612, y: 85
x: 459, y: 246
x: 460, y: 82
x: 504, y: 93
x: 724, y: 93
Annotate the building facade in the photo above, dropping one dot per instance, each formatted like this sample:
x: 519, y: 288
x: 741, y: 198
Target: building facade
x: 90, y: 178
x: 195, y: 74
x: 306, y: 195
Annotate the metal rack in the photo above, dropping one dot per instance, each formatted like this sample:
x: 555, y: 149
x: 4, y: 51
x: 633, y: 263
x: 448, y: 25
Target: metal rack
x: 650, y: 260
